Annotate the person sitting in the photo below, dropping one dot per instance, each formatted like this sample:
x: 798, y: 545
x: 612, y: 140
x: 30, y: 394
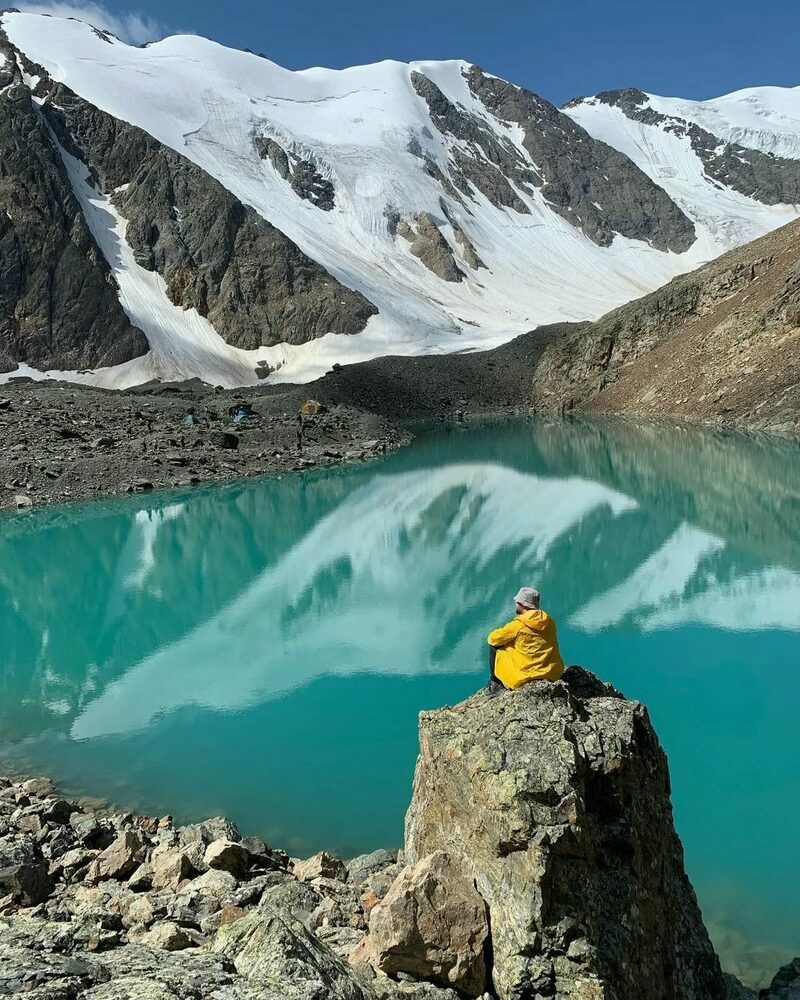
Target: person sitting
x: 525, y: 649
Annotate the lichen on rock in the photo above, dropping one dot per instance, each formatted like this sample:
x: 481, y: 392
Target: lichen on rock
x: 555, y: 798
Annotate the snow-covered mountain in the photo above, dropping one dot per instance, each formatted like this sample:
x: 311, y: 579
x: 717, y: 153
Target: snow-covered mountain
x: 185, y: 209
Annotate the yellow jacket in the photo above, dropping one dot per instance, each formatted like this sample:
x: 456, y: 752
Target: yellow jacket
x: 527, y: 649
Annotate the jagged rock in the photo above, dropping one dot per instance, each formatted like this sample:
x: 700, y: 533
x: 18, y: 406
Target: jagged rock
x: 785, y: 984
x: 487, y: 163
x: 296, y: 898
x: 85, y: 826
x: 142, y: 878
x: 139, y: 972
x: 119, y: 859
x: 229, y: 914
x: 28, y: 883
x: 273, y: 948
x: 270, y: 149
x: 764, y: 176
x: 58, y: 303
x: 592, y: 185
x: 736, y: 991
x: 341, y: 940
x: 40, y: 787
x: 310, y: 184
x: 214, y: 828
x: 228, y: 856
x: 367, y: 865
x: 138, y: 912
x: 167, y: 936
x: 218, y: 885
x: 556, y: 800
x: 170, y: 866
x: 322, y: 865
x: 263, y: 856
x: 387, y: 989
x: 468, y: 251
x: 433, y: 925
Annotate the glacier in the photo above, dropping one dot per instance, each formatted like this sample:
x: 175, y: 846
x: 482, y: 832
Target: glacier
x: 361, y: 126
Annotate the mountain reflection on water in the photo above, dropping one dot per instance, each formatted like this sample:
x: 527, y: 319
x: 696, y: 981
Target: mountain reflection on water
x: 263, y: 649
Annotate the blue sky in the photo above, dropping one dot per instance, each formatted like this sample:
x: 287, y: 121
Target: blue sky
x: 687, y: 48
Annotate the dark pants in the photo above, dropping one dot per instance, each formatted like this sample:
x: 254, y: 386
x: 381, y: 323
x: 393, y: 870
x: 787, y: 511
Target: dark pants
x: 492, y: 657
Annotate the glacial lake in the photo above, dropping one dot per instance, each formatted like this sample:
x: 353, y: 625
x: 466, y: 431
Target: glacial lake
x: 263, y: 649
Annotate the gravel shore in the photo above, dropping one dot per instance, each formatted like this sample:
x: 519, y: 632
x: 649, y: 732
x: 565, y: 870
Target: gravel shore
x: 65, y: 442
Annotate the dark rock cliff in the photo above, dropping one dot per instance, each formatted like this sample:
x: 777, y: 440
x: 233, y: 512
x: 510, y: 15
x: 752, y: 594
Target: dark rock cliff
x: 58, y: 302
x: 255, y: 286
x: 592, y: 185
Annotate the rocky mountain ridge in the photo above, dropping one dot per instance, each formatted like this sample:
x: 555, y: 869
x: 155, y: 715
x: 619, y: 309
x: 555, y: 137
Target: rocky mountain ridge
x: 227, y: 219
x: 540, y: 861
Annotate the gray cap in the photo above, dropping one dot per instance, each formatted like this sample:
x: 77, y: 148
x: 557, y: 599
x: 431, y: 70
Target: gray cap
x: 528, y: 597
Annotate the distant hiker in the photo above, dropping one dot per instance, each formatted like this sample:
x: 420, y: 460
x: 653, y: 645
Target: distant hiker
x: 190, y: 420
x: 526, y: 649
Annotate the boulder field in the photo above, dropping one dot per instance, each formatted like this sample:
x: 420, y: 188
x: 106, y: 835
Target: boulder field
x: 540, y: 863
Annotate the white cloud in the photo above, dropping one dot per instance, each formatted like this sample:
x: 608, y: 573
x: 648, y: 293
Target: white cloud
x: 130, y: 27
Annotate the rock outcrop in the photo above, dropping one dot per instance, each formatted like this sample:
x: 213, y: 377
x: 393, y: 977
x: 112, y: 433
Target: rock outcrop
x: 590, y: 184
x: 430, y: 246
x: 433, y: 925
x: 764, y: 176
x: 58, y: 300
x: 720, y: 342
x: 555, y: 799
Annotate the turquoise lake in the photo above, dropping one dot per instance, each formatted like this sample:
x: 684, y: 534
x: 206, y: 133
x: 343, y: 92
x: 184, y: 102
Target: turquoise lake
x: 263, y: 649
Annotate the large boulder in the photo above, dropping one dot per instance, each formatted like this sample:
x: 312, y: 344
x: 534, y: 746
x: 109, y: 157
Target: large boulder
x: 322, y: 865
x: 119, y: 859
x: 433, y: 925
x: 270, y: 947
x: 556, y: 799
x: 228, y: 856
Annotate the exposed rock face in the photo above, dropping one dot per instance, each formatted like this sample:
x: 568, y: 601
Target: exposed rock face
x: 770, y: 179
x: 304, y: 175
x: 322, y: 865
x: 216, y: 255
x: 556, y: 800
x: 58, y: 301
x: 432, y: 924
x: 721, y: 340
x: 428, y: 243
x: 786, y: 984
x: 227, y: 855
x: 592, y: 185
x: 271, y: 149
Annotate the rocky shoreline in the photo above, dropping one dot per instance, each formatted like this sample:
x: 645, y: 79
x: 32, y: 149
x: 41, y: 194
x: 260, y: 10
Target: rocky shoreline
x: 540, y: 861
x: 64, y: 443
